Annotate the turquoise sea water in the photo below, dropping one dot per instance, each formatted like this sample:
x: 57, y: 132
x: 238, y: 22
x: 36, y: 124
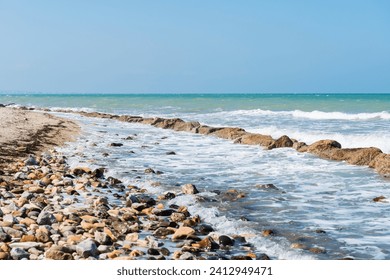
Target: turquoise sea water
x: 313, y: 195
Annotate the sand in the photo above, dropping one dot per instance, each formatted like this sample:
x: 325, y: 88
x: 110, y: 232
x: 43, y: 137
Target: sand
x: 23, y: 132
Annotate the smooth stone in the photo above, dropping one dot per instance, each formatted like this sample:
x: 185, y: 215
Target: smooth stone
x: 19, y: 253
x: 182, y: 233
x: 25, y: 245
x: 59, y: 253
x: 205, y: 229
x: 87, y: 248
x: 189, y: 189
x: 225, y: 240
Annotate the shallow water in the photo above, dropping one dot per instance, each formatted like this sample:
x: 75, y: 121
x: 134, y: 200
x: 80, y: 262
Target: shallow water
x: 312, y: 194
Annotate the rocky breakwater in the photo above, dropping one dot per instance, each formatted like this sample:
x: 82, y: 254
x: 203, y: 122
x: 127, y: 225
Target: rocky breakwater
x: 327, y: 149
x: 50, y: 211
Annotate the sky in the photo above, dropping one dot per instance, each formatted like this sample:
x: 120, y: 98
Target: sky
x: 195, y: 46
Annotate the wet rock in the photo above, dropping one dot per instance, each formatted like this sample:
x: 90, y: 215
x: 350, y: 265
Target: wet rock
x: 161, y: 231
x: 170, y: 153
x: 177, y: 217
x: 240, y: 258
x: 255, y: 139
x: 229, y: 133
x: 78, y: 171
x: 263, y: 257
x: 266, y: 186
x: 225, y: 240
x: 19, y: 253
x: 381, y: 163
x: 46, y: 218
x: 379, y: 199
x: 164, y: 212
x: 189, y: 189
x: 116, y: 145
x: 207, y: 244
x: 300, y: 146
x: 205, y: 229
x: 103, y: 238
x: 98, y: 173
x: 87, y: 248
x: 149, y: 171
x: 153, y: 252
x: 282, y: 142
x: 182, y: 233
x: 268, y: 232
x: 320, y: 231
x: 165, y: 252
x: 317, y: 250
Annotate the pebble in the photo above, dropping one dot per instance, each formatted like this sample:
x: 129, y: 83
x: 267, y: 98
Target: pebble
x: 189, y: 189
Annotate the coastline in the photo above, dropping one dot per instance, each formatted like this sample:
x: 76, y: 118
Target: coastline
x: 69, y: 215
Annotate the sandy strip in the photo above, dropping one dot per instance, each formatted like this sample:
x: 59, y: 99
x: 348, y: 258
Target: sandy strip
x: 24, y: 132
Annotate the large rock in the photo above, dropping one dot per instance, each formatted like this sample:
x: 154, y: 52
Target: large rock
x: 381, y: 163
x: 186, y: 126
x: 87, y: 248
x: 204, y: 129
x: 282, y: 142
x: 229, y: 133
x: 255, y: 139
x: 189, y: 189
x: 357, y: 156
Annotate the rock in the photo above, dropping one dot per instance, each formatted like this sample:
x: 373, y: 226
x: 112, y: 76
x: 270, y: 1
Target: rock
x: 189, y: 189
x: 225, y: 240
x: 186, y: 126
x: 207, y: 244
x: 42, y: 234
x: 9, y: 220
x: 231, y: 133
x: 153, y: 252
x: 25, y: 245
x: 4, y: 256
x: 161, y: 231
x: 205, y: 229
x: 46, y: 218
x: 59, y: 253
x: 240, y: 258
x: 182, y: 233
x: 255, y: 139
x: 317, y: 250
x: 31, y: 160
x: 103, y: 238
x: 381, y: 163
x: 282, y: 142
x: 19, y: 253
x: 268, y: 232
x: 300, y: 146
x: 87, y: 248
x: 177, y: 217
x: 379, y: 199
x: 98, y: 173
x: 116, y: 144
x: 170, y: 153
x: 78, y: 171
x: 267, y: 186
x: 187, y: 256
x: 4, y: 237
x: 263, y: 257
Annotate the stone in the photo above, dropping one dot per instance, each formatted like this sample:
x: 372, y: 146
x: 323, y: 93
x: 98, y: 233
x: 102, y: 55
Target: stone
x: 56, y: 252
x: 25, y: 245
x: 266, y: 186
x: 177, y: 217
x: 9, y: 220
x: 4, y: 256
x: 161, y: 231
x: 317, y: 250
x: 153, y: 252
x: 268, y: 232
x: 42, y: 235
x: 381, y: 163
x: 78, y: 171
x: 282, y: 142
x: 225, y: 240
x: 379, y: 199
x: 207, y: 244
x: 103, y: 238
x: 189, y: 189
x: 187, y: 256
x: 87, y: 248
x: 31, y: 160
x: 182, y: 233
x: 205, y: 229
x: 255, y: 139
x: 230, y: 133
x: 46, y: 218
x: 116, y: 144
x: 19, y: 253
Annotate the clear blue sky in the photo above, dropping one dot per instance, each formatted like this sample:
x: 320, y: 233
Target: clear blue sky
x: 195, y: 46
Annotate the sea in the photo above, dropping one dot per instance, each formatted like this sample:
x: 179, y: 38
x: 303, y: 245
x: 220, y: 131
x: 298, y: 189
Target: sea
x: 315, y: 203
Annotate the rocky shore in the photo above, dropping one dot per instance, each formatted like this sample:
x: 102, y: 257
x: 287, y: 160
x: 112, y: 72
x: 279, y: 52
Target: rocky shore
x: 49, y: 211
x: 326, y: 149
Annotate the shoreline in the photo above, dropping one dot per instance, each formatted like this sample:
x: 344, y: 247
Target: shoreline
x: 25, y: 132
x: 328, y: 149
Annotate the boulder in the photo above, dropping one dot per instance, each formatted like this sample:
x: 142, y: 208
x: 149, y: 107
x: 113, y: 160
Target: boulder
x: 204, y: 129
x: 231, y: 133
x: 189, y: 189
x: 255, y: 139
x: 185, y: 126
x: 282, y: 142
x: 381, y: 163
